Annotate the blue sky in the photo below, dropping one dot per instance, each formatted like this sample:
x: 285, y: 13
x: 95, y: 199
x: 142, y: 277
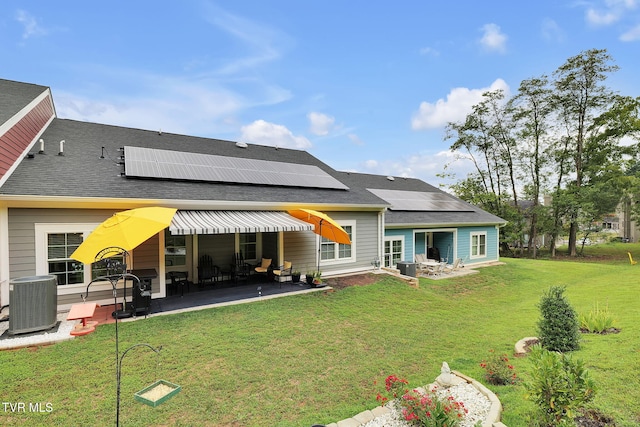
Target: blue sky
x: 365, y: 86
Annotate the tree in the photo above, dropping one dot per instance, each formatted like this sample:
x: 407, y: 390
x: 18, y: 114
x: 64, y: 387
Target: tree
x: 532, y: 109
x: 561, y: 137
x: 580, y: 96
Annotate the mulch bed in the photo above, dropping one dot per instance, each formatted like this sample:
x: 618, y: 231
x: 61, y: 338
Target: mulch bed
x: 353, y: 280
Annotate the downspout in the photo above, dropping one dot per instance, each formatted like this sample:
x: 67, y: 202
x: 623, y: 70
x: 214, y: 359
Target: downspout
x: 381, y: 236
x: 4, y: 256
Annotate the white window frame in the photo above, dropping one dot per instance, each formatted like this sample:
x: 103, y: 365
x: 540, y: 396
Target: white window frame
x: 336, y: 260
x: 258, y: 246
x: 42, y: 265
x: 477, y: 234
x: 391, y: 239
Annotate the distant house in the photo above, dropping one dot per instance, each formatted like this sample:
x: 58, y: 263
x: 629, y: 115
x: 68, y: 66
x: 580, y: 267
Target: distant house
x: 60, y: 178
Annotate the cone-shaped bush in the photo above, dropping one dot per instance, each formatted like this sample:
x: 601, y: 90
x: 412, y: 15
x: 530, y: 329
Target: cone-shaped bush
x: 558, y: 328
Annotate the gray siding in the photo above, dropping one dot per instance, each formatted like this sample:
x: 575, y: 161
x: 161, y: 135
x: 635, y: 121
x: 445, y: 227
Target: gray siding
x: 301, y: 248
x: 22, y: 256
x: 22, y: 260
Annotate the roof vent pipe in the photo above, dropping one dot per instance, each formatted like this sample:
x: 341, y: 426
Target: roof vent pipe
x: 41, y: 146
x: 61, y: 152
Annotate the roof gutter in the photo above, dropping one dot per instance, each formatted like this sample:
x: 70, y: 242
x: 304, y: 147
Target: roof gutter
x: 445, y: 224
x: 30, y: 201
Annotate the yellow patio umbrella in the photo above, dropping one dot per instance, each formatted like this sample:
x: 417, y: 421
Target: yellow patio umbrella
x: 325, y: 226
x: 125, y: 230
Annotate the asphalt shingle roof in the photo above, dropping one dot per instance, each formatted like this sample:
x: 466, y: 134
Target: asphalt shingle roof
x: 474, y: 216
x: 82, y: 173
x: 14, y: 96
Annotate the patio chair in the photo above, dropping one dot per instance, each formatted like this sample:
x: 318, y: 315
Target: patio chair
x: 207, y: 271
x: 421, y: 258
x: 284, y: 271
x: 178, y: 280
x: 241, y: 270
x: 422, y: 262
x: 264, y: 266
x: 450, y: 268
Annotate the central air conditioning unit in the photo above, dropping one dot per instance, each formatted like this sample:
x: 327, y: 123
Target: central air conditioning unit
x: 33, y: 304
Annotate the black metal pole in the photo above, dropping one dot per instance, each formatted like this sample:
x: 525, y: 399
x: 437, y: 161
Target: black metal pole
x: 119, y: 372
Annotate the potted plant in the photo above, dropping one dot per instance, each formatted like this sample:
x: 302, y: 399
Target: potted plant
x: 295, y: 276
x: 309, y: 276
x: 317, y: 279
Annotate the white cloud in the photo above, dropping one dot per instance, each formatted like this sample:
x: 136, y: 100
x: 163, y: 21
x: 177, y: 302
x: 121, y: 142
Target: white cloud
x: 628, y: 4
x: 320, y: 124
x: 611, y: 12
x: 455, y: 108
x: 30, y: 24
x: 261, y: 43
x: 355, y: 139
x: 631, y: 35
x: 493, y: 40
x: 599, y: 18
x: 429, y: 51
x: 193, y: 107
x: 265, y: 133
x: 551, y: 31
x: 423, y: 166
x: 371, y: 165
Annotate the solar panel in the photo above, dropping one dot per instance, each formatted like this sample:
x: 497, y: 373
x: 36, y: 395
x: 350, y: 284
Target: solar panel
x: 421, y: 201
x: 177, y: 165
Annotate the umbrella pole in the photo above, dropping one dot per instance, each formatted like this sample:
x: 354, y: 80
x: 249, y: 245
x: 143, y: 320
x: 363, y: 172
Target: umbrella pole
x: 319, y: 244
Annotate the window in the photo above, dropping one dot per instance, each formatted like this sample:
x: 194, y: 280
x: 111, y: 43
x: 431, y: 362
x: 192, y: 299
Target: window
x: 175, y: 250
x: 392, y: 251
x: 54, y: 245
x: 60, y: 246
x: 55, y: 242
x: 478, y: 245
x: 248, y: 246
x: 332, y: 251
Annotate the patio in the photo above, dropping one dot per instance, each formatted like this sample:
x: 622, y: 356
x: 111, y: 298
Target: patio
x: 226, y: 293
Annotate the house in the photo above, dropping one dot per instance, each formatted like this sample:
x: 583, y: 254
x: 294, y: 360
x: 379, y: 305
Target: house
x: 60, y: 178
x: 422, y: 219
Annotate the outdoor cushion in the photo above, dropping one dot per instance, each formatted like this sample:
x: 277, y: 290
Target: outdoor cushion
x: 264, y: 265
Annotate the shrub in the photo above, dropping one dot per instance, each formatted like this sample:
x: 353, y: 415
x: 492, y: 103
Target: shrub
x: 498, y: 370
x: 422, y: 408
x: 559, y: 386
x: 597, y: 320
x: 558, y: 329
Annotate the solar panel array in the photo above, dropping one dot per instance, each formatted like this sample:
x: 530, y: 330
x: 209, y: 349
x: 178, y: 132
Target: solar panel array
x: 421, y: 201
x: 177, y: 165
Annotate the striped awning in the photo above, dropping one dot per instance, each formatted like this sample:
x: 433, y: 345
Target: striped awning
x: 225, y: 222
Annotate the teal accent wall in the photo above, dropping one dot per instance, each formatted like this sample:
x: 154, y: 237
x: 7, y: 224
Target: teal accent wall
x: 407, y: 233
x: 464, y: 244
x: 444, y: 241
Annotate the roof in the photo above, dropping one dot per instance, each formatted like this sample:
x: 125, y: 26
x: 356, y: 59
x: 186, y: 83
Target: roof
x: 471, y: 215
x: 81, y: 172
x: 14, y: 96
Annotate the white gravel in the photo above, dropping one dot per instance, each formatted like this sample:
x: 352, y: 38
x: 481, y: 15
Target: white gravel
x: 476, y: 403
x: 37, y: 338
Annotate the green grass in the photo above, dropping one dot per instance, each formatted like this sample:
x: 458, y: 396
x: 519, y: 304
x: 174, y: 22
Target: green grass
x: 313, y: 358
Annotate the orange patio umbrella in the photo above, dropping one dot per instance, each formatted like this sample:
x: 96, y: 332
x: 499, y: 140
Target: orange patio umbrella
x: 125, y: 230
x: 325, y: 226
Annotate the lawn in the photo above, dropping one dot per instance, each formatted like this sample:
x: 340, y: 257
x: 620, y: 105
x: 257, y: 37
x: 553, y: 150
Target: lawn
x: 314, y: 358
